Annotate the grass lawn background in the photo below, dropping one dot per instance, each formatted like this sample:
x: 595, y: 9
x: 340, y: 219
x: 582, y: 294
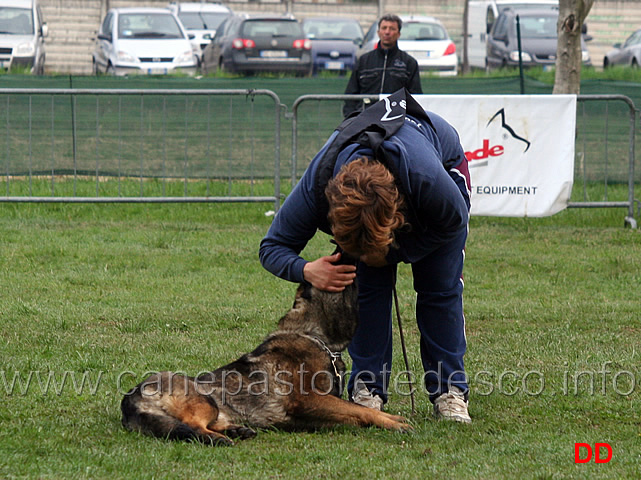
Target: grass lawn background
x: 106, y: 293
x: 92, y: 297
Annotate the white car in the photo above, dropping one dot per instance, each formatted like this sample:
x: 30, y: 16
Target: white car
x: 425, y: 39
x: 22, y: 36
x: 201, y: 20
x: 143, y: 41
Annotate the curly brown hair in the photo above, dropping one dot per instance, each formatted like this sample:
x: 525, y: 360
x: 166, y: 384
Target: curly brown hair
x: 365, y: 207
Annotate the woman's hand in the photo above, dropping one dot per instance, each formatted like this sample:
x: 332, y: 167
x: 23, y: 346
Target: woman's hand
x: 325, y: 275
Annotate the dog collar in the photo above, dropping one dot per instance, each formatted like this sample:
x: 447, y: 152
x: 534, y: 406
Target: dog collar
x: 335, y: 356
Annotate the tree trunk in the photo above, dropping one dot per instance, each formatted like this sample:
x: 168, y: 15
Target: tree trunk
x: 572, y: 14
x: 466, y: 36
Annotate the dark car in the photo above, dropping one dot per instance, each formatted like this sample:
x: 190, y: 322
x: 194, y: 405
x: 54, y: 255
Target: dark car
x: 334, y: 42
x: 265, y: 43
x: 538, y: 40
x: 201, y: 20
x: 628, y: 54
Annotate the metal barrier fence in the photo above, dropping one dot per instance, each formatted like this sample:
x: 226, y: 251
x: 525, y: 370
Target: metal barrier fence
x: 599, y: 144
x: 605, y: 141
x: 184, y: 145
x: 102, y: 145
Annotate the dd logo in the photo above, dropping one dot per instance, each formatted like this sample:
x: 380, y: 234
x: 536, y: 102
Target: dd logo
x: 579, y: 447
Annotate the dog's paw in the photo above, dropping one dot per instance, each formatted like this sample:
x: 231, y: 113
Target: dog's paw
x: 222, y: 442
x: 398, y: 423
x: 217, y: 440
x: 240, y: 432
x: 401, y: 427
x: 405, y: 428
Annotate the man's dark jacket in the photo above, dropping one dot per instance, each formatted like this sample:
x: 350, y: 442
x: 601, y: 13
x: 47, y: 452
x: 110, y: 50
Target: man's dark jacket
x: 382, y: 71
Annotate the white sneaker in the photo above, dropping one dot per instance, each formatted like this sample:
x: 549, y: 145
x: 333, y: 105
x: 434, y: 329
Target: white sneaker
x: 452, y: 406
x: 362, y: 396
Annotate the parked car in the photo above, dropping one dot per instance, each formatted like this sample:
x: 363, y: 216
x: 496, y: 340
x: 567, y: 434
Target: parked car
x: 335, y: 41
x: 22, y: 35
x: 628, y: 54
x: 142, y: 41
x: 482, y: 14
x: 264, y: 43
x: 201, y: 20
x: 538, y: 40
x: 424, y: 38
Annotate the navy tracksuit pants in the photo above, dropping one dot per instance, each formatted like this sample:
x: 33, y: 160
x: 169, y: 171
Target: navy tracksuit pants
x: 438, y: 284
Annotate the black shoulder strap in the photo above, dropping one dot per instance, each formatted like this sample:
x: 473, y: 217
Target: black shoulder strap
x: 370, y: 128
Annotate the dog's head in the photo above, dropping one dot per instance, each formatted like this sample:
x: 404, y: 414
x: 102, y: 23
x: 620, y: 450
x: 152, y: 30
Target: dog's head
x: 330, y: 316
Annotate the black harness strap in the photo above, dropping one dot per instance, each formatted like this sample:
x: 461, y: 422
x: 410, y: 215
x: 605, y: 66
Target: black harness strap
x: 369, y: 129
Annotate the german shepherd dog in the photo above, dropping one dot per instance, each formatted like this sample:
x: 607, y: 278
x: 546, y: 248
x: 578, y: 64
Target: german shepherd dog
x: 291, y: 381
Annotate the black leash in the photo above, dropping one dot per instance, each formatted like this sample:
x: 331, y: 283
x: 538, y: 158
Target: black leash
x: 400, y: 331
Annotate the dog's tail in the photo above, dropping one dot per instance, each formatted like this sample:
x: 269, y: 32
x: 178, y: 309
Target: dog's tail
x: 159, y: 424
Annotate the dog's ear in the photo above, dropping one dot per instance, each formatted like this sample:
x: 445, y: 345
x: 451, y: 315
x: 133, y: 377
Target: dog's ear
x: 305, y: 290
x: 302, y: 297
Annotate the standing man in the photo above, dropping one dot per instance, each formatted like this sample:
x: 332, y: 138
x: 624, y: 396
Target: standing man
x: 391, y: 185
x: 385, y: 69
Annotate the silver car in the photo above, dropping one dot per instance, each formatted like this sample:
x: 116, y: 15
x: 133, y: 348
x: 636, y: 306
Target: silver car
x: 143, y: 41
x: 628, y: 54
x: 200, y: 19
x: 22, y: 36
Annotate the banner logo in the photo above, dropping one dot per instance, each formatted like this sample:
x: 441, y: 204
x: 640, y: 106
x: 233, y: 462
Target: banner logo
x: 485, y: 152
x: 480, y: 156
x: 501, y: 113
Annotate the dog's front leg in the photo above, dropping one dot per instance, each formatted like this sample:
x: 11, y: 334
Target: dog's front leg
x: 330, y: 410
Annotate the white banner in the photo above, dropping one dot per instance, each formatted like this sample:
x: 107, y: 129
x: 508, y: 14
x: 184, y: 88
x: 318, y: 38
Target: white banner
x: 520, y: 149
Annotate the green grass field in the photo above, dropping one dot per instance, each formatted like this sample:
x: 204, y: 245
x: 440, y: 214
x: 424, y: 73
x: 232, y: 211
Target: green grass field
x: 94, y: 296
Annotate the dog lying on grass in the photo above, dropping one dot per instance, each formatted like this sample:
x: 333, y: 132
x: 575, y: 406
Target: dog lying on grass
x: 291, y: 381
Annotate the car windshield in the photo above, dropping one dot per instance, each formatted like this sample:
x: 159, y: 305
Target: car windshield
x: 202, y: 20
x: 538, y: 27
x: 422, y: 31
x: 148, y: 25
x: 270, y: 28
x: 16, y: 21
x: 332, y: 30
x: 633, y: 39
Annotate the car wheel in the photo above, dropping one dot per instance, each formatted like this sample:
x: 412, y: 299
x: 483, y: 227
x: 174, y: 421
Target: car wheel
x: 634, y: 63
x: 606, y: 63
